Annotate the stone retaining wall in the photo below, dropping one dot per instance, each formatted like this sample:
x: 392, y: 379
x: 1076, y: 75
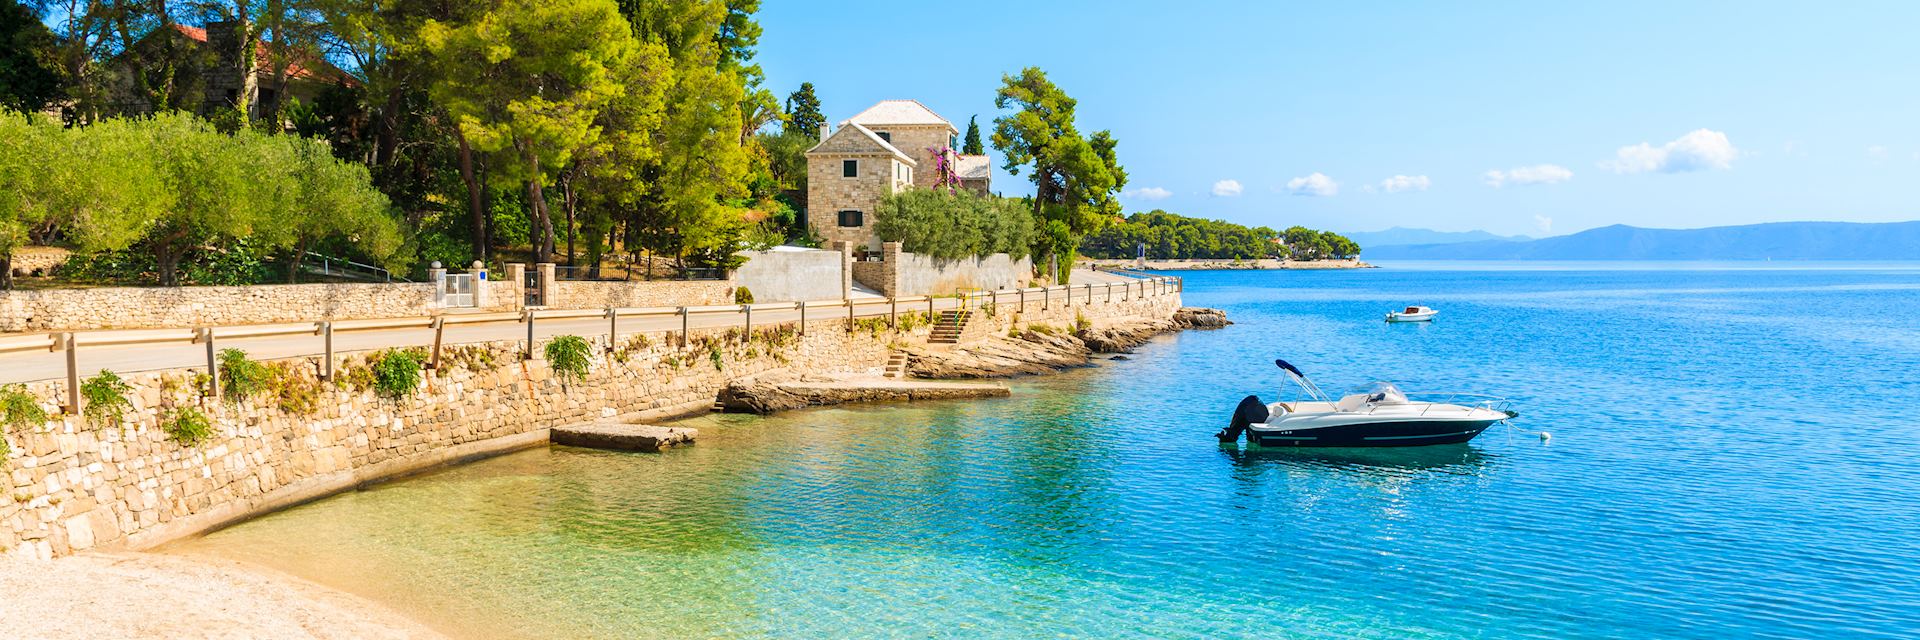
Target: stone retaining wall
x: 150, y: 307
x: 595, y: 294
x: 905, y: 274
x: 71, y: 486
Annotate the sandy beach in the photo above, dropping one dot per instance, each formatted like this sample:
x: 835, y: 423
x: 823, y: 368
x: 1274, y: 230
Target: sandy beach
x: 146, y: 595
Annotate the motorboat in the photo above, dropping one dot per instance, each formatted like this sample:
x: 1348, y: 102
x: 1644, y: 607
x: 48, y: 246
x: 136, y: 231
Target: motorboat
x: 1413, y: 314
x: 1375, y: 415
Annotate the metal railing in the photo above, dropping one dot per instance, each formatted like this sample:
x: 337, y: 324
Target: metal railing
x: 1045, y: 297
x: 342, y: 268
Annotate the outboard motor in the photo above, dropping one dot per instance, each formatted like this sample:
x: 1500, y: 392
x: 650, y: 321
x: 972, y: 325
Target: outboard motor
x: 1250, y: 411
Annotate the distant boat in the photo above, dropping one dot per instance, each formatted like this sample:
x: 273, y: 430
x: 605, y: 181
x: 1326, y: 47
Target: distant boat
x: 1412, y: 314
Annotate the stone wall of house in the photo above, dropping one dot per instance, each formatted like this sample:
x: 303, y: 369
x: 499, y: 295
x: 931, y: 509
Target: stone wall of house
x: 905, y: 274
x: 72, y: 486
x: 593, y: 294
x: 917, y: 141
x: 38, y: 261
x: 829, y: 192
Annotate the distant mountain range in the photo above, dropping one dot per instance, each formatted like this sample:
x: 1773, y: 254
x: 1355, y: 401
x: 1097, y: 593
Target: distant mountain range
x: 1777, y: 241
x: 1403, y: 235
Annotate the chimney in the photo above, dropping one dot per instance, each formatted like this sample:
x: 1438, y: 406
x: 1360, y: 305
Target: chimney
x: 825, y: 130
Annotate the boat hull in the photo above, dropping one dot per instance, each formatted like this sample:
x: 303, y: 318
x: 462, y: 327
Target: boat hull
x: 1408, y: 433
x: 1399, y: 317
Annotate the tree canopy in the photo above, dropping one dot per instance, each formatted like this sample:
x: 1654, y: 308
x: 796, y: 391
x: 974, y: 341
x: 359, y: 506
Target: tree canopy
x: 803, y: 113
x: 951, y: 225
x: 1169, y: 236
x: 971, y: 144
x: 1076, y: 179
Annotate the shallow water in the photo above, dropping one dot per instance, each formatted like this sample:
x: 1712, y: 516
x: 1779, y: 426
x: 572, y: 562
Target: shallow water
x: 1732, y: 456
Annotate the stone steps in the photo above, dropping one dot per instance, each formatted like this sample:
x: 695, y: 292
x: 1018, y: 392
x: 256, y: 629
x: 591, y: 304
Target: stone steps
x: 947, y: 329
x: 896, y: 365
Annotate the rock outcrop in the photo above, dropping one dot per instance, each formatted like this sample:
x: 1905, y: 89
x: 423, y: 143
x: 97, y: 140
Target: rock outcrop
x: 1200, y: 318
x: 1032, y: 352
x: 767, y: 396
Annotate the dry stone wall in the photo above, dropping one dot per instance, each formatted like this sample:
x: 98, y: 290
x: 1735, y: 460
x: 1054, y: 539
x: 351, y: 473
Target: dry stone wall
x: 594, y: 294
x: 72, y: 486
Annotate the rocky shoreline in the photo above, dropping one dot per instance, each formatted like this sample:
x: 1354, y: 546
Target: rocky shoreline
x: 1038, y: 350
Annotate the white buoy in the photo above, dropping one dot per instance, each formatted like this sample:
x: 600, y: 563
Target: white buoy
x: 1544, y: 436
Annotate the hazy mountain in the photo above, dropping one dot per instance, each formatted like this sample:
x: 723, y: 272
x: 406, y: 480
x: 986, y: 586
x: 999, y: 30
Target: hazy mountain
x: 1778, y: 241
x: 1403, y: 235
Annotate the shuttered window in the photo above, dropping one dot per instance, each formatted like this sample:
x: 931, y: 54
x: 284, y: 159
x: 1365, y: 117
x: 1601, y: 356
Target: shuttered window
x: 851, y: 218
x: 849, y: 168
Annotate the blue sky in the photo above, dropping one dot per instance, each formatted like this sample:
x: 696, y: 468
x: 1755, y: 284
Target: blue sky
x: 1749, y: 112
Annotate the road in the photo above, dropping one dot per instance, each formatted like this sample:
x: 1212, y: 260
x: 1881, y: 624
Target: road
x: 43, y: 365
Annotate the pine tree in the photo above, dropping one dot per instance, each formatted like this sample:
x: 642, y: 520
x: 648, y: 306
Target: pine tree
x: 803, y: 112
x: 972, y: 146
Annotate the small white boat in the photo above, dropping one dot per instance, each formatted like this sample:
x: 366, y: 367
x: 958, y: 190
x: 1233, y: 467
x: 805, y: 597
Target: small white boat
x: 1378, y: 415
x: 1413, y: 314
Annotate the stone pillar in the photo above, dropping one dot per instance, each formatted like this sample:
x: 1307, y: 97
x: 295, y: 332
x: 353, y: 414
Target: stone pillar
x: 515, y: 282
x: 546, y: 279
x: 890, y: 253
x: 846, y: 268
x: 481, y: 295
x: 438, y: 276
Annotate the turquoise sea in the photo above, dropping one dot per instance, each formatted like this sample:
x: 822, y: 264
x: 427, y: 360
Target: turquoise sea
x: 1733, y: 455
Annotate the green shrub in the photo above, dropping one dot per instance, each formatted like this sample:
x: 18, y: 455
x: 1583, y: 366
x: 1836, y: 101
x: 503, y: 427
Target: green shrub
x: 742, y: 295
x: 713, y: 353
x: 1080, y: 322
x: 188, y: 426
x: 241, y: 378
x: 568, y: 356
x: 106, y: 399
x: 397, y: 373
x: 17, y: 409
x: 1042, y: 329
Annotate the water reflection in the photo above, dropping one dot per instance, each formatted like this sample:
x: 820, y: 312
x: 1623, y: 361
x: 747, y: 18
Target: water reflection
x: 1462, y: 459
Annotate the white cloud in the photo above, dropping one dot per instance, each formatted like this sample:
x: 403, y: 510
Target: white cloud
x: 1536, y: 174
x: 1226, y: 188
x: 1699, y: 149
x: 1877, y: 152
x: 1398, y: 184
x: 1147, y: 193
x: 1543, y: 223
x: 1314, y: 184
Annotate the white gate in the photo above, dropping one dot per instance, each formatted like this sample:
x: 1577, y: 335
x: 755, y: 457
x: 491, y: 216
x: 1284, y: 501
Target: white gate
x: 458, y: 288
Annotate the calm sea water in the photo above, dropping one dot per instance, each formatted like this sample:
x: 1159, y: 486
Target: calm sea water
x: 1733, y: 456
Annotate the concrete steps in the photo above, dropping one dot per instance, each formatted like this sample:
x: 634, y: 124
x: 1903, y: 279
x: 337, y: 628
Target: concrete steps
x: 948, y: 327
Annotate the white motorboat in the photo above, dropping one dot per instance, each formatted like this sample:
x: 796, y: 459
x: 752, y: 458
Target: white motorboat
x: 1413, y: 314
x: 1377, y: 415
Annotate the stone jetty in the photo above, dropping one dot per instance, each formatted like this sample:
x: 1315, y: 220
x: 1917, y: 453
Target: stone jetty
x: 767, y: 396
x: 625, y: 437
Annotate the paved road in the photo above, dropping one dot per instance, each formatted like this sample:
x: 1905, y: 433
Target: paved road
x: 42, y: 365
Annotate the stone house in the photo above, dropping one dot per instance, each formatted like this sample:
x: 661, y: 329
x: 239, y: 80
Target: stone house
x: 892, y: 145
x: 208, y: 77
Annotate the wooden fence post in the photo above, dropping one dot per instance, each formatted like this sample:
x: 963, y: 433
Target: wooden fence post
x: 439, y: 329
x: 213, y: 362
x: 73, y: 370
x: 893, y: 313
x: 802, y: 305
x: 613, y: 328
x: 748, y: 335
x: 683, y: 328
x: 326, y: 342
x: 849, y: 315
x: 528, y: 316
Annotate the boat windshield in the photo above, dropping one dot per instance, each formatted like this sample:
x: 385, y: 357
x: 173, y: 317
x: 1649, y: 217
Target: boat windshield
x: 1412, y: 310
x: 1379, y: 393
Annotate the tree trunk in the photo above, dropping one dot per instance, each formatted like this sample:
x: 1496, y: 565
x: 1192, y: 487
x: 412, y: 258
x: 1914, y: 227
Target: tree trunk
x: 387, y: 140
x: 566, y: 189
x: 474, y: 207
x: 299, y: 256
x: 6, y: 272
x: 540, y: 227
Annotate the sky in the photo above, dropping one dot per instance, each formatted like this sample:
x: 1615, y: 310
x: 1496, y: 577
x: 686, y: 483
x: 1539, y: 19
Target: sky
x: 1516, y: 118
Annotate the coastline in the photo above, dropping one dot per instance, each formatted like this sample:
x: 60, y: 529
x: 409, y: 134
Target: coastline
x: 117, y: 592
x: 1207, y: 264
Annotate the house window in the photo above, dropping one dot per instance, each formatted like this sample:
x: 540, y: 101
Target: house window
x: 849, y: 168
x: 884, y: 136
x: 851, y: 218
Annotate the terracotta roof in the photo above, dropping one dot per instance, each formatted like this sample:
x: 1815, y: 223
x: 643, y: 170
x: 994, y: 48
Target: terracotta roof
x: 899, y: 112
x: 973, y: 167
x: 303, y: 66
